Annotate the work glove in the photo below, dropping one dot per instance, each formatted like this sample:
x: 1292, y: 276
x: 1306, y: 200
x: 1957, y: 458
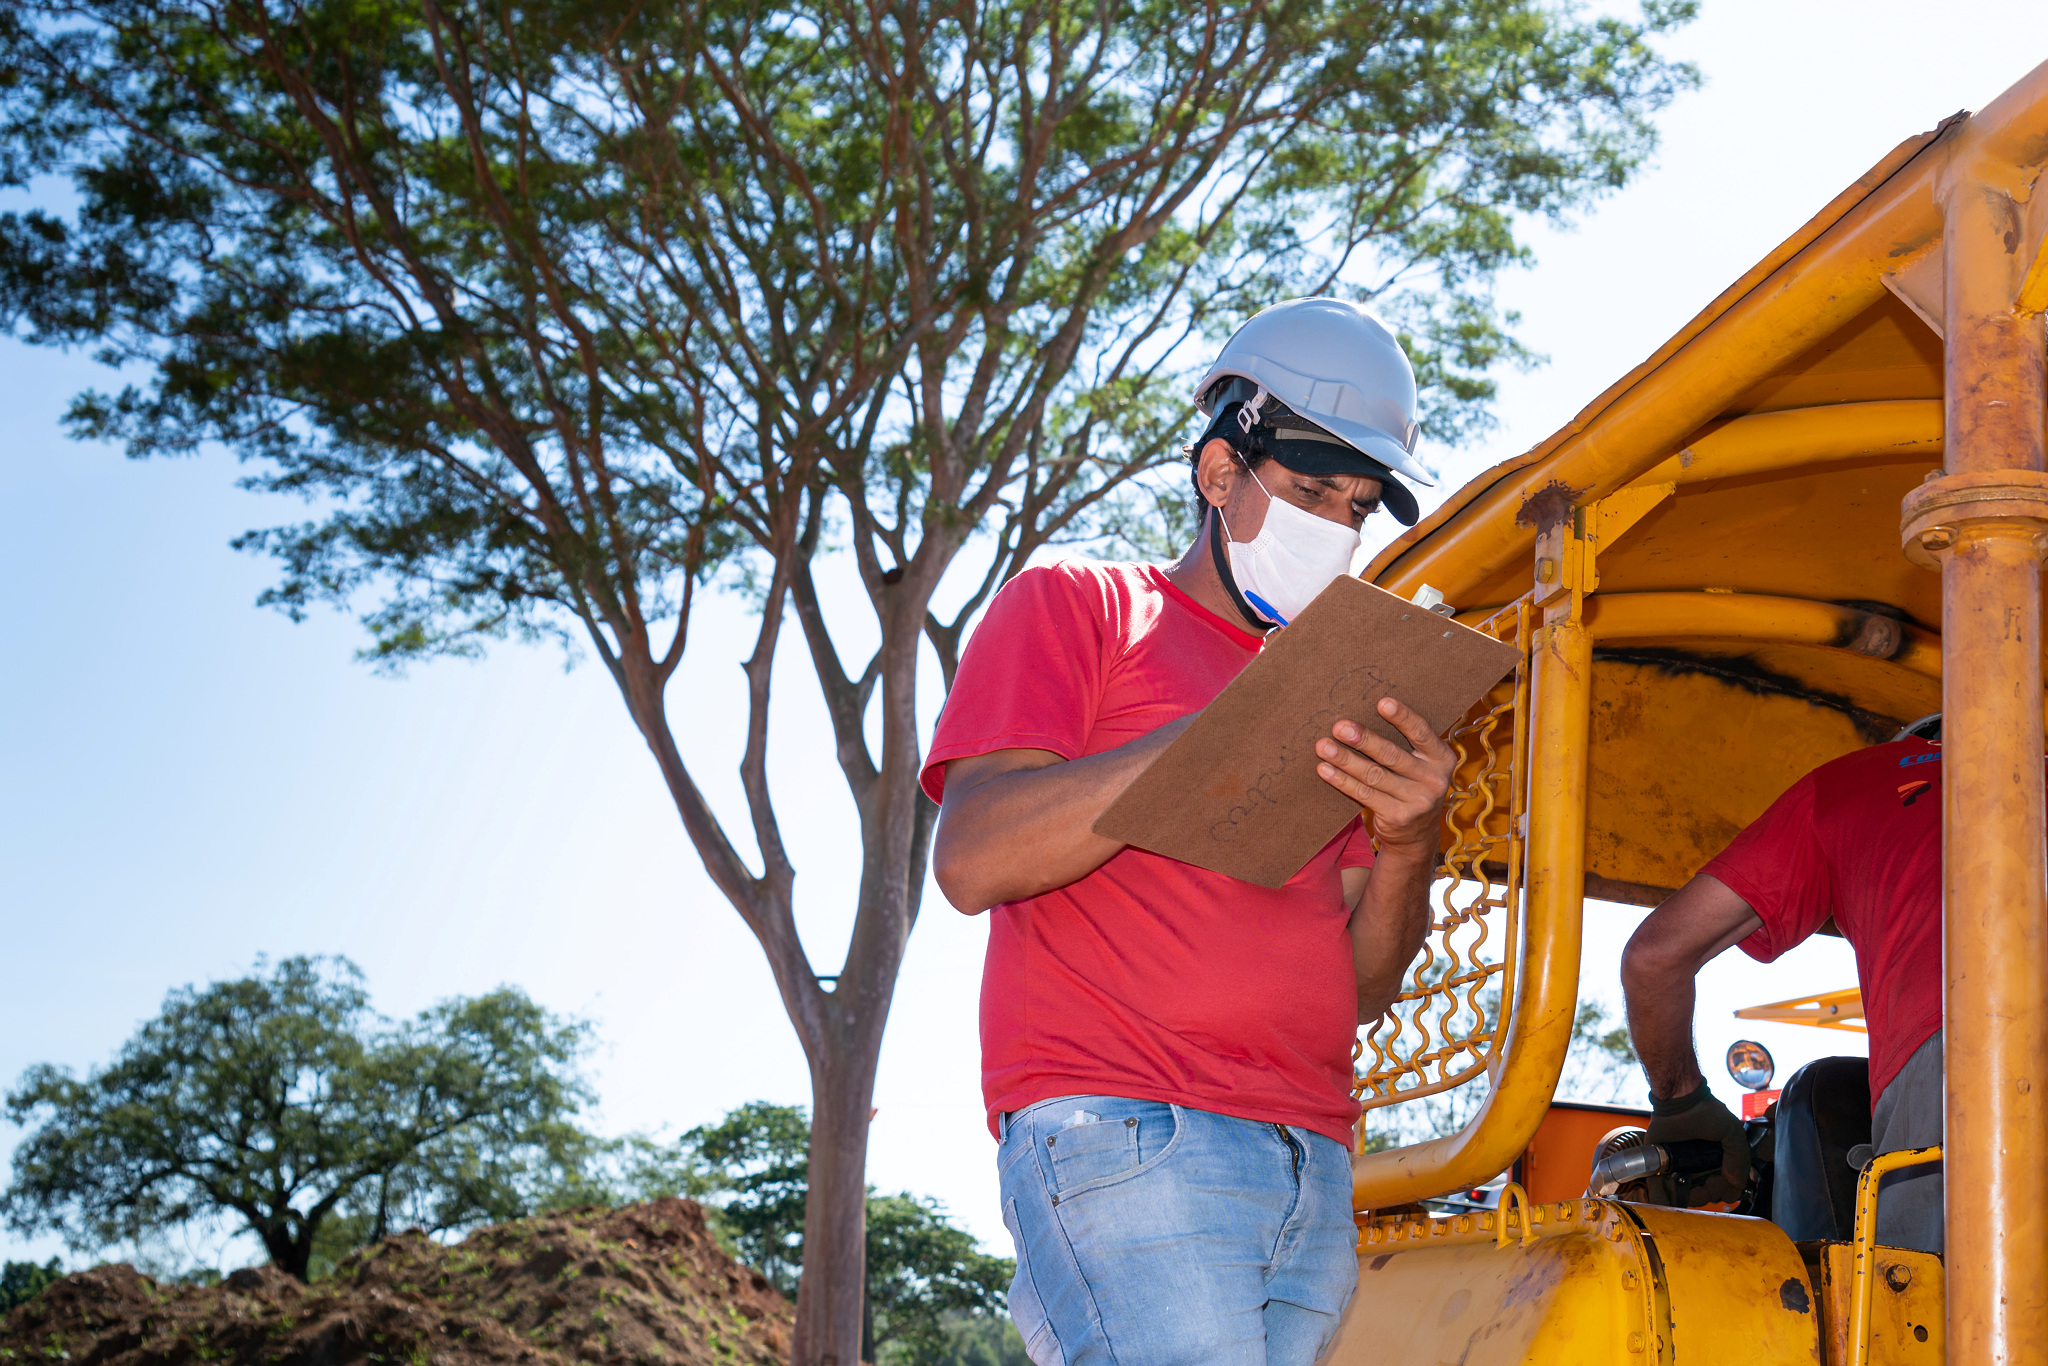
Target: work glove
x: 1697, y: 1115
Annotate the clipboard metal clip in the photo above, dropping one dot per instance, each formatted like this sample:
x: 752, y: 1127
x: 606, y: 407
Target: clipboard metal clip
x: 1433, y: 599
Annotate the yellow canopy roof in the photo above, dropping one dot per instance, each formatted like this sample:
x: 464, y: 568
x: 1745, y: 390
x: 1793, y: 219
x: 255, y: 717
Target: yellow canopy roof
x: 1754, y: 614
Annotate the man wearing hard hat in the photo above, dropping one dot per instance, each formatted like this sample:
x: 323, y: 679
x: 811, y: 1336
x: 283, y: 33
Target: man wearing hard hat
x: 1166, y: 1051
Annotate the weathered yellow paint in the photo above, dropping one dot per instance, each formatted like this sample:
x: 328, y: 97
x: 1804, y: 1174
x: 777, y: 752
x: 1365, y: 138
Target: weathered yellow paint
x: 1884, y: 430
x: 1865, y: 1254
x: 1617, y: 619
x: 1580, y: 1283
x: 1906, y: 1325
x: 1994, y: 861
x: 1678, y: 769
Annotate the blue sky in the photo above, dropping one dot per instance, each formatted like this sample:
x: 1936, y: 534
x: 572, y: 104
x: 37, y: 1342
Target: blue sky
x: 190, y: 782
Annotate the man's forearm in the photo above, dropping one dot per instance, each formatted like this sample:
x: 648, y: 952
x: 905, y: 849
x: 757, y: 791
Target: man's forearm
x: 1388, y: 927
x: 1013, y: 833
x: 1660, y: 1006
x: 1703, y: 918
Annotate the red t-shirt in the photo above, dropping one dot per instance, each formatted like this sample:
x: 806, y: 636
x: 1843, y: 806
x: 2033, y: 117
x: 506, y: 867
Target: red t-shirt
x: 1859, y: 839
x: 1148, y: 978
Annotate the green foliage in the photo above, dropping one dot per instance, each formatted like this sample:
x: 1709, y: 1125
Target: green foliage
x: 557, y: 309
x: 555, y: 313
x: 974, y: 1340
x: 21, y: 1282
x: 281, y: 1101
x: 929, y: 1286
x: 924, y: 1277
x: 1602, y: 1064
x: 756, y: 1161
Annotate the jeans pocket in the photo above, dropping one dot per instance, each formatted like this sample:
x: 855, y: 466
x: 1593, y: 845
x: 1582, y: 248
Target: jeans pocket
x: 1133, y: 1138
x: 1026, y: 1309
x: 1088, y: 1153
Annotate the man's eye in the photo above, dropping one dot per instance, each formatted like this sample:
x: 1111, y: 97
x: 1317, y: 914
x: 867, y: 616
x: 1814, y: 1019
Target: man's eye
x: 1366, y: 509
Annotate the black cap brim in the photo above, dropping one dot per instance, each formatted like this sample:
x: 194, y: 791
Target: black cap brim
x: 1331, y: 457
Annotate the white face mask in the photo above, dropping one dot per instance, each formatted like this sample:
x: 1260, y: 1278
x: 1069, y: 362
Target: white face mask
x: 1295, y: 556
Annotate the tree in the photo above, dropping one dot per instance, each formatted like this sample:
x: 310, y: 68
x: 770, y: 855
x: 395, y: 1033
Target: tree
x: 559, y: 313
x: 21, y: 1282
x: 981, y: 1340
x: 1601, y: 1066
x: 760, y: 1157
x: 924, y: 1276
x: 922, y: 1273
x: 280, y: 1100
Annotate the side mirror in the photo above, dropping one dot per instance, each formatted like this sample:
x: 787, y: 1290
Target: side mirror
x: 1750, y: 1064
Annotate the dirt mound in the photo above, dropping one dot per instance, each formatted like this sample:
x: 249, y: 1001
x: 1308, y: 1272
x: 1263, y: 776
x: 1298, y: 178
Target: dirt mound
x: 638, y: 1286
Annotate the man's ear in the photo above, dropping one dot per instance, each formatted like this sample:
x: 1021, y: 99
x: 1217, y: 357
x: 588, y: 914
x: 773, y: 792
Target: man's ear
x: 1216, y: 471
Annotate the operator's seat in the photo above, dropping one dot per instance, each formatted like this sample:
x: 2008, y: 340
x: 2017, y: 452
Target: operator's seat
x: 1823, y: 1112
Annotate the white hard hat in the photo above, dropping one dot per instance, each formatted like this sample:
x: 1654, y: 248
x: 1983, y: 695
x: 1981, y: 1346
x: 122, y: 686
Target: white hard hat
x: 1330, y: 361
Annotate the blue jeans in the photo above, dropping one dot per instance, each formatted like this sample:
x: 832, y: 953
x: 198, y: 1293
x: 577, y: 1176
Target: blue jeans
x: 1150, y: 1234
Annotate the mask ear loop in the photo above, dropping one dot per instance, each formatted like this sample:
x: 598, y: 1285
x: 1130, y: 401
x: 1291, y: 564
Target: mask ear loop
x: 1218, y: 530
x: 1221, y: 559
x: 1256, y: 480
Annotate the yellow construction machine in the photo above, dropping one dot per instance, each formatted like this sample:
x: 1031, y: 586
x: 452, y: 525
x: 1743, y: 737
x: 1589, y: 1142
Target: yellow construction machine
x: 1815, y: 514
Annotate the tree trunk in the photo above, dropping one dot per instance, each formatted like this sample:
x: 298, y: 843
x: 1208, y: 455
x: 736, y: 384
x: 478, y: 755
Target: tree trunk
x: 832, y: 1299
x: 834, y: 1290
x: 292, y: 1256
x: 841, y: 1030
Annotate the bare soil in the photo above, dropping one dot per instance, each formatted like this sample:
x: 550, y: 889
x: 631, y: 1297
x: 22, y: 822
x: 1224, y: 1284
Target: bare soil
x: 645, y: 1285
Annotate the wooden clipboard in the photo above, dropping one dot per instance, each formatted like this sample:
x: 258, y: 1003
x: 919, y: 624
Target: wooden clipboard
x: 1238, y: 794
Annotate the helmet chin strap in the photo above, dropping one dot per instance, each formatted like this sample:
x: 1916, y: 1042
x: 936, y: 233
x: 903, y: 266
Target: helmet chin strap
x: 1221, y: 557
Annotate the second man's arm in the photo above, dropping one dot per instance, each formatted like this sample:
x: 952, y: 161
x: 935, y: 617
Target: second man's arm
x: 1695, y: 924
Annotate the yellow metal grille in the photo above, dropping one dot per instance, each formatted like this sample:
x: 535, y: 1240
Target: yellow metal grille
x: 1446, y: 1027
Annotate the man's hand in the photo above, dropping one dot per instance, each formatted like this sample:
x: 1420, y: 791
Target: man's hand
x: 1401, y: 788
x: 1698, y: 1115
x: 1401, y: 791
